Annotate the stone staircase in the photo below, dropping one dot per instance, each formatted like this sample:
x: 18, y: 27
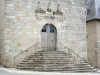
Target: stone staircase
x: 54, y: 61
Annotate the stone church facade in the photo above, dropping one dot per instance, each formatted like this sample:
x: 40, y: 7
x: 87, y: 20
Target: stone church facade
x: 28, y: 26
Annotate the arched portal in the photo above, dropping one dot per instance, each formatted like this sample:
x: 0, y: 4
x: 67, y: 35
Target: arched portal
x: 49, y: 37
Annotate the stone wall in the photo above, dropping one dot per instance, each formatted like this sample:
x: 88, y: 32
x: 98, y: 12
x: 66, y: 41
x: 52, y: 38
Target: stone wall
x: 23, y: 29
x: 92, y: 42
x: 98, y: 41
x: 1, y: 28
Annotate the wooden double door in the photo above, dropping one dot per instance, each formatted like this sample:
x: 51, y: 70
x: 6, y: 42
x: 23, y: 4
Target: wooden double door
x: 49, y: 37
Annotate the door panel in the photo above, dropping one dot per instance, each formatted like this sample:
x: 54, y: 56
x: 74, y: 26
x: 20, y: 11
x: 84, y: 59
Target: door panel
x: 44, y: 40
x: 51, y: 41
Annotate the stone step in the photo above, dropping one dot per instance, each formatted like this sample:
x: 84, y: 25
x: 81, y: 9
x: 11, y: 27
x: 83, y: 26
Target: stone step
x: 42, y: 58
x: 84, y: 71
x: 73, y: 67
x: 34, y: 69
x: 49, y: 56
x: 50, y: 60
x: 82, y: 64
x: 57, y: 68
x: 78, y: 71
x: 54, y: 61
x: 51, y: 52
x: 78, y: 68
x: 45, y: 63
x: 68, y: 65
x: 57, y: 54
x: 54, y: 55
x: 68, y: 70
x: 42, y: 63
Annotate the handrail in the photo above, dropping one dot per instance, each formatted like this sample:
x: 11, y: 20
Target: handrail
x: 81, y: 57
x: 74, y: 53
x: 24, y: 51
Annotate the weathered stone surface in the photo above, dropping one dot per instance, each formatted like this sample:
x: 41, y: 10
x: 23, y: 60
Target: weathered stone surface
x: 23, y: 29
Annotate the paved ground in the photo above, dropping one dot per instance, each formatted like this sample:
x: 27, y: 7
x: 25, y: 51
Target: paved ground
x: 4, y: 71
